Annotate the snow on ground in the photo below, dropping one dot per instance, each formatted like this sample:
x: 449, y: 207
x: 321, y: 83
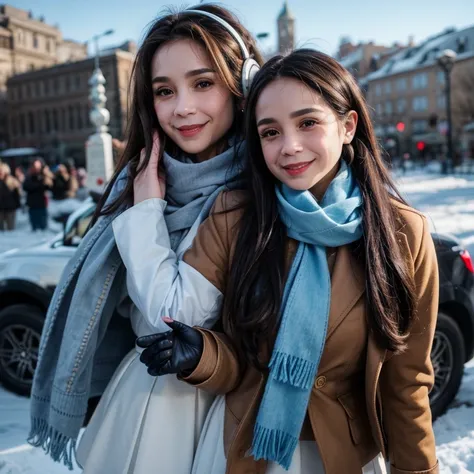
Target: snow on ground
x: 449, y: 203
x: 22, y: 236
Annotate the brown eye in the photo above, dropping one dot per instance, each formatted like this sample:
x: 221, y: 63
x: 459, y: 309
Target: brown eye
x: 308, y: 123
x: 163, y: 92
x: 204, y: 84
x: 269, y: 134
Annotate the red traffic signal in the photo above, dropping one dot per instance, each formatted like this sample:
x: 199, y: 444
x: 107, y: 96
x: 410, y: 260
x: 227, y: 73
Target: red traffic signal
x: 400, y: 127
x: 420, y: 146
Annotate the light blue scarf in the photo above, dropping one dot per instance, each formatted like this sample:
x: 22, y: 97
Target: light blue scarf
x: 305, y: 306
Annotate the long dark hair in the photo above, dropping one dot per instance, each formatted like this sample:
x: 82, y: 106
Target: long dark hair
x: 254, y: 291
x: 227, y: 59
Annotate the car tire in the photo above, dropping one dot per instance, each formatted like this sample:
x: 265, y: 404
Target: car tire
x: 448, y: 356
x: 20, y: 332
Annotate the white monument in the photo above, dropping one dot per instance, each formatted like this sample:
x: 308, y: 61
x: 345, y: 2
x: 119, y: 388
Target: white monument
x: 99, y: 155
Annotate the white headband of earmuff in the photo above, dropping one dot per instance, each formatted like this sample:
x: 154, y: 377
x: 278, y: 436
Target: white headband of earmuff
x: 250, y: 66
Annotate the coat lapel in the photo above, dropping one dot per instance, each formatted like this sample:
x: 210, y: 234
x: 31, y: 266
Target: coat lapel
x: 347, y: 286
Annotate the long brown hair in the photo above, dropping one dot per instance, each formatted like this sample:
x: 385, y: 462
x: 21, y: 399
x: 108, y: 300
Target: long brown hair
x: 227, y: 59
x: 254, y: 291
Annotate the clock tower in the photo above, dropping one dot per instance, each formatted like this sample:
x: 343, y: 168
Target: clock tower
x: 286, y: 29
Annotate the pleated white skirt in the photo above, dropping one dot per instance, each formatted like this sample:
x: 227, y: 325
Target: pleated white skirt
x: 143, y: 424
x: 210, y: 455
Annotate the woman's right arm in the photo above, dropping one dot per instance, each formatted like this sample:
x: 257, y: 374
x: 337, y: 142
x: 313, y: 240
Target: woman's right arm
x: 219, y: 370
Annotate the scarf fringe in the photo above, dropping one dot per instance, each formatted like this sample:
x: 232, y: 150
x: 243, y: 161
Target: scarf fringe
x: 59, y: 446
x: 273, y: 445
x: 294, y: 370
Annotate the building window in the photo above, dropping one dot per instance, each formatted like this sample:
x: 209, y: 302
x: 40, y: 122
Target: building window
x: 63, y: 120
x: 48, y: 45
x: 440, y: 77
x: 31, y: 122
x: 39, y: 121
x: 14, y: 124
x: 46, y: 87
x: 78, y: 82
x: 378, y: 109
x: 441, y: 101
x: 401, y: 105
x: 35, y: 41
x: 420, y: 126
x: 402, y: 84
x: 378, y: 90
x: 38, y: 89
x: 22, y: 125
x: 79, y: 122
x: 55, y: 120
x: 420, y: 103
x: 71, y: 117
x: 388, y: 87
x: 420, y: 81
x: 47, y: 119
x: 67, y: 83
x: 388, y: 108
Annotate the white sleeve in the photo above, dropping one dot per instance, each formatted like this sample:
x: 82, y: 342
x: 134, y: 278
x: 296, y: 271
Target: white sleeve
x: 157, y: 282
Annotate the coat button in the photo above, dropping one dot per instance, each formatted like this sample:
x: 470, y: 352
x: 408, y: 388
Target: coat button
x: 320, y: 381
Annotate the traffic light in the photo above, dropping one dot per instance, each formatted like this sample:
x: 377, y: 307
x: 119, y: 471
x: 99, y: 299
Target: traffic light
x: 420, y: 146
x: 400, y: 127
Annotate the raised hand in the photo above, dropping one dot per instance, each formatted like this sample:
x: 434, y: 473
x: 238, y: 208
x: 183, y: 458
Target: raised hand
x: 150, y: 182
x: 173, y: 352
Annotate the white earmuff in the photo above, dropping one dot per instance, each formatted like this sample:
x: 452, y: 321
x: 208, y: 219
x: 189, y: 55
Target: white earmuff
x: 250, y: 66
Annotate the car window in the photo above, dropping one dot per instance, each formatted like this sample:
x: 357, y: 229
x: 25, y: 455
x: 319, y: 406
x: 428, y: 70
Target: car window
x: 76, y: 229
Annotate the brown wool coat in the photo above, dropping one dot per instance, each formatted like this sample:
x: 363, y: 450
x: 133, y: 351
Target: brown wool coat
x: 364, y: 400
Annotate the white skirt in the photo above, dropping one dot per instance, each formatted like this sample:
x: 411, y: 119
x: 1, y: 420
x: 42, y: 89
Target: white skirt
x: 210, y: 455
x: 143, y: 424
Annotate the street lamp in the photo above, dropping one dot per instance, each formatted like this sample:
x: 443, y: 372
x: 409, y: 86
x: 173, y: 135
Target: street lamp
x: 446, y: 61
x: 261, y: 37
x: 95, y: 39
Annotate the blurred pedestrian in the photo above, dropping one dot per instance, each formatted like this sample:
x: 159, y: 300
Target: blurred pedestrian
x: 82, y: 190
x: 65, y: 185
x: 9, y: 198
x: 38, y: 180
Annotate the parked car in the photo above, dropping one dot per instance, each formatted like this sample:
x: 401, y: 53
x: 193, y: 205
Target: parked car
x: 28, y: 278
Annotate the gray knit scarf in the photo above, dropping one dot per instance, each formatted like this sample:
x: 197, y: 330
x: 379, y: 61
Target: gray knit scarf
x: 82, y: 344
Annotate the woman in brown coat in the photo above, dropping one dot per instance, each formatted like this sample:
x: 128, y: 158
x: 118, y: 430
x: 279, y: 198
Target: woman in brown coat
x: 323, y: 363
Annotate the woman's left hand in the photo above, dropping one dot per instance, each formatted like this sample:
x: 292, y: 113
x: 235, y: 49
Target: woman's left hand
x: 173, y: 352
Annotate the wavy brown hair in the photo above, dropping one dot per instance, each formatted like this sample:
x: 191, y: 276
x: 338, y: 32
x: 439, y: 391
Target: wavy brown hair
x: 254, y: 290
x: 227, y: 59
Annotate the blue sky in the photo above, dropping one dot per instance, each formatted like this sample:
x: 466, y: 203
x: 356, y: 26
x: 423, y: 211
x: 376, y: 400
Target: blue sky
x: 319, y: 23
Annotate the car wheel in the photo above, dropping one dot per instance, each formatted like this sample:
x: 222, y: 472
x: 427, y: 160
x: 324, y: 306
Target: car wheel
x: 447, y: 356
x: 20, y: 332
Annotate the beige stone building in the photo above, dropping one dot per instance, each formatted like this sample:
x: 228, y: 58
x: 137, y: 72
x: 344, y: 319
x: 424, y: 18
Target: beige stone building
x: 27, y: 44
x: 363, y: 58
x: 408, y: 96
x: 49, y: 108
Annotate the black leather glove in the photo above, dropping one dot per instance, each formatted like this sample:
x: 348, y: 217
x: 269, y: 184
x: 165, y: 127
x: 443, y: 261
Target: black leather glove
x: 173, y: 352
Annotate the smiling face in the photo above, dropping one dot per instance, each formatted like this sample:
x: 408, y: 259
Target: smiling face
x: 300, y: 135
x: 193, y: 106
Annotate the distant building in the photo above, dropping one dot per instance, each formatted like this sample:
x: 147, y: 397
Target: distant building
x: 363, y: 58
x: 286, y: 29
x: 69, y: 51
x: 26, y: 44
x: 49, y: 108
x: 408, y: 98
